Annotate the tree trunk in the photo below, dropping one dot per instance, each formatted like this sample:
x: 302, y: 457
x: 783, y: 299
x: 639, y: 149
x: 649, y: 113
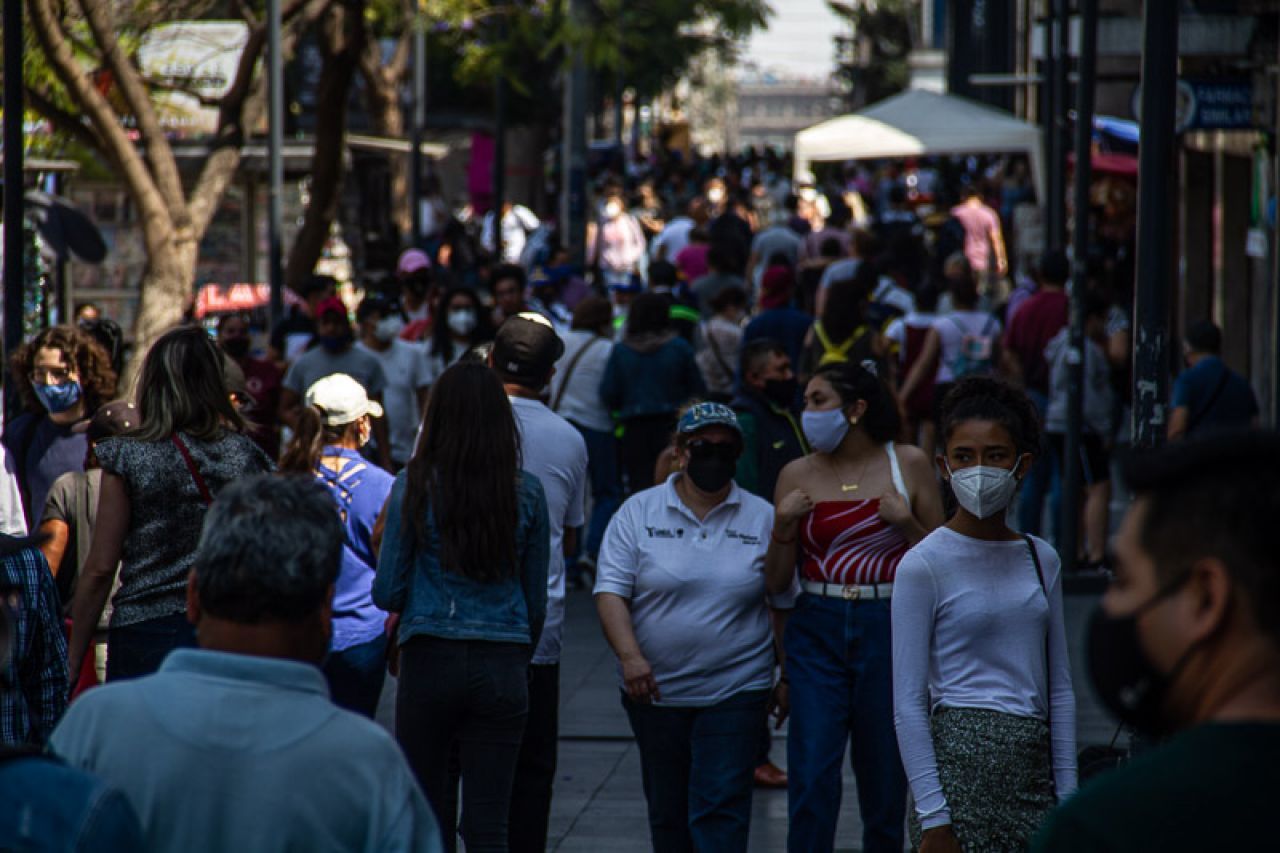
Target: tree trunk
x: 342, y: 40
x: 388, y: 121
x: 166, y: 286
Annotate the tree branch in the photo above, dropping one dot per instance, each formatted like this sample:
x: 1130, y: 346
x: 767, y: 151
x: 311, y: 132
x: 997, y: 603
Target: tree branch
x: 399, y: 63
x: 64, y: 120
x: 97, y: 14
x: 57, y: 50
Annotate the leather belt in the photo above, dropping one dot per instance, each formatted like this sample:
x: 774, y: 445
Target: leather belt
x: 849, y: 592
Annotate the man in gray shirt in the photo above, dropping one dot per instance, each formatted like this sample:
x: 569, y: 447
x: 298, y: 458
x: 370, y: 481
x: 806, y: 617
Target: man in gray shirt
x: 336, y: 352
x: 235, y: 746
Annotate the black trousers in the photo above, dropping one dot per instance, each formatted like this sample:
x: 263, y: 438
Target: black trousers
x: 536, y: 767
x: 471, y: 695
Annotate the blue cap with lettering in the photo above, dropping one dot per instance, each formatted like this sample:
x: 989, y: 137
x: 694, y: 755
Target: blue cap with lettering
x: 702, y: 415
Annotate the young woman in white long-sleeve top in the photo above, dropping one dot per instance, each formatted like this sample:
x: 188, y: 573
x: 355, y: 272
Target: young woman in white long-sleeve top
x: 983, y: 704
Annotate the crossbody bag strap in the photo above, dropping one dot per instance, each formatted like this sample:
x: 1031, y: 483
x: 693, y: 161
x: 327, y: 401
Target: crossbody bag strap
x: 568, y: 372
x: 201, y: 485
x: 1048, y: 675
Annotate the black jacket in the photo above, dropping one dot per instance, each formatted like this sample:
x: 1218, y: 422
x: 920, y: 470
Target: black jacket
x: 772, y: 437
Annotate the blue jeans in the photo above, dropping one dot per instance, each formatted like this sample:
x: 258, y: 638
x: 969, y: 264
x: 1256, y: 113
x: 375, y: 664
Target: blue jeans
x: 839, y: 667
x: 1043, y: 481
x: 606, y: 491
x: 697, y: 765
x: 139, y: 649
x: 355, y: 676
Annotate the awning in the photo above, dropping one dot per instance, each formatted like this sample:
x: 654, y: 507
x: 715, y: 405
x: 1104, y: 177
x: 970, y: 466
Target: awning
x: 919, y: 123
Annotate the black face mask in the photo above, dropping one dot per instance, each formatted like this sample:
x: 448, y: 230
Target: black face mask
x: 236, y: 347
x: 1127, y: 682
x: 712, y: 466
x: 781, y: 392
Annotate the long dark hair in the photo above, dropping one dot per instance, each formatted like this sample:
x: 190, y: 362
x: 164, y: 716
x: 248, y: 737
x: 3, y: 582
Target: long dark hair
x: 853, y: 382
x: 310, y: 437
x: 464, y: 474
x: 442, y: 342
x: 182, y: 387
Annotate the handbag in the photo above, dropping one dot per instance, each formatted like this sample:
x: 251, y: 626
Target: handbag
x: 1092, y: 760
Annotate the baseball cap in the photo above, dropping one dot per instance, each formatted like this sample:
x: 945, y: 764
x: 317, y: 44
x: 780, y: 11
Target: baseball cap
x: 526, y: 346
x: 332, y: 305
x: 411, y: 261
x: 341, y: 399
x: 702, y: 415
x: 114, y: 418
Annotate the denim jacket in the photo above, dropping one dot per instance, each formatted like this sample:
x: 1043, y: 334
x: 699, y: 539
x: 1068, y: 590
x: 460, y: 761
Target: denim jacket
x: 441, y: 603
x: 51, y: 806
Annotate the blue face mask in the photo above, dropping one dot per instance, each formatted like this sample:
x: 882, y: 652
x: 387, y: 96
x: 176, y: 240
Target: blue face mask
x: 334, y: 343
x: 57, y: 398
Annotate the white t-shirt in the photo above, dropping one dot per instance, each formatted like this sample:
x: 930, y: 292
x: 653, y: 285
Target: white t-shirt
x: 696, y: 589
x: 673, y: 238
x: 969, y: 627
x: 580, y: 402
x: 953, y: 329
x: 437, y: 364
x: 405, y: 366
x: 555, y: 453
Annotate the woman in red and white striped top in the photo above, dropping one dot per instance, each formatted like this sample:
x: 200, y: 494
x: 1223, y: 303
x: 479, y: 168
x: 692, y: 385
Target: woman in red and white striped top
x: 846, y: 515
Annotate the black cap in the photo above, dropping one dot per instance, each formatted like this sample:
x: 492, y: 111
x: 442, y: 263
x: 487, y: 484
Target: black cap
x: 526, y: 347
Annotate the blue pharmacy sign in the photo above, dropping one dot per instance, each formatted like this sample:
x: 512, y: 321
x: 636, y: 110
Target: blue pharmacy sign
x: 1216, y: 104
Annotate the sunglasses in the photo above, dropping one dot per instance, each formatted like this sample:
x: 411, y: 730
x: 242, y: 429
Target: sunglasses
x: 722, y: 449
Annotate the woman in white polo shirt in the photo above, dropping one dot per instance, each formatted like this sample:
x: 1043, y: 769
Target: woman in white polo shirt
x: 681, y: 593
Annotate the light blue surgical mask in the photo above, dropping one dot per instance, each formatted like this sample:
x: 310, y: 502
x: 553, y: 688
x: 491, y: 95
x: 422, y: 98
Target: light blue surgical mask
x: 826, y: 429
x: 57, y: 398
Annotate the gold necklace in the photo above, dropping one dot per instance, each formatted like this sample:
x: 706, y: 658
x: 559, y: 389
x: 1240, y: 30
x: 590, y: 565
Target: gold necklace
x: 850, y: 487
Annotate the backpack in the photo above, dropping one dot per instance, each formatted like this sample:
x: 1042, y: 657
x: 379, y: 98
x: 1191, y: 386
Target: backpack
x: 977, y: 352
x: 833, y: 353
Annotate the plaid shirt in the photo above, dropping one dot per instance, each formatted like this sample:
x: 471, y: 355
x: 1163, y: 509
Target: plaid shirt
x: 33, y: 683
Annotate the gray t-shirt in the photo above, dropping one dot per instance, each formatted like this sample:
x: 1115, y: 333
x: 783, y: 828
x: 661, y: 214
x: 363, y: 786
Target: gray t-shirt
x: 73, y: 500
x: 166, y: 514
x: 696, y: 589
x: 317, y: 363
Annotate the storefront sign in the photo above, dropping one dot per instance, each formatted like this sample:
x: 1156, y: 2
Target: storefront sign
x: 1221, y: 104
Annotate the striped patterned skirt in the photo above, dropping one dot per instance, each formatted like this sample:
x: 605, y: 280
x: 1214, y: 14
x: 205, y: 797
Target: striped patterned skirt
x: 996, y: 774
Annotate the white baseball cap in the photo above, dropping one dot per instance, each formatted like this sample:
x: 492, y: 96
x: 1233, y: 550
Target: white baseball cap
x: 342, y: 399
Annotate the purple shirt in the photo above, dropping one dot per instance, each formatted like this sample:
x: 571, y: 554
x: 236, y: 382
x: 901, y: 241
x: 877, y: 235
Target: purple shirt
x: 360, y: 489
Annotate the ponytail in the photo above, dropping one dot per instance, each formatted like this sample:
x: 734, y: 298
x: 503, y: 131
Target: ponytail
x: 309, y: 438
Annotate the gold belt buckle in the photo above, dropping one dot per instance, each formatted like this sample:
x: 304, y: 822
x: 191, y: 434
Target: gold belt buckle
x: 851, y: 592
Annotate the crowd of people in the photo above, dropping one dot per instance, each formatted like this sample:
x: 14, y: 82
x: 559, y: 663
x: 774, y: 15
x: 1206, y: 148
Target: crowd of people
x: 799, y: 445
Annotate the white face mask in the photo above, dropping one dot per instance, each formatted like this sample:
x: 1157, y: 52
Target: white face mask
x: 825, y: 430
x: 462, y: 322
x: 388, y: 328
x: 613, y: 209
x: 983, y: 490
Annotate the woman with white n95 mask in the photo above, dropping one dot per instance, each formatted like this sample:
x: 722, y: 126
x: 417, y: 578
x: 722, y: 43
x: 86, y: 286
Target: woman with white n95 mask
x: 983, y: 704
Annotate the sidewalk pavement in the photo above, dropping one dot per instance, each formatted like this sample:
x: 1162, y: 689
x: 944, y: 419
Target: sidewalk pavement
x: 599, y: 804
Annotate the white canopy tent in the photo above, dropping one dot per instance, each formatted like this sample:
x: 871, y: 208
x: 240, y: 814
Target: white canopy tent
x: 919, y: 123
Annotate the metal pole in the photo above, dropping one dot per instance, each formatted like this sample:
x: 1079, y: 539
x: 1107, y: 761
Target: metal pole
x: 13, y: 203
x: 1058, y: 125
x: 1156, y: 211
x: 419, y: 121
x: 574, y: 181
x: 1072, y: 477
x: 275, y: 162
x: 1053, y: 200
